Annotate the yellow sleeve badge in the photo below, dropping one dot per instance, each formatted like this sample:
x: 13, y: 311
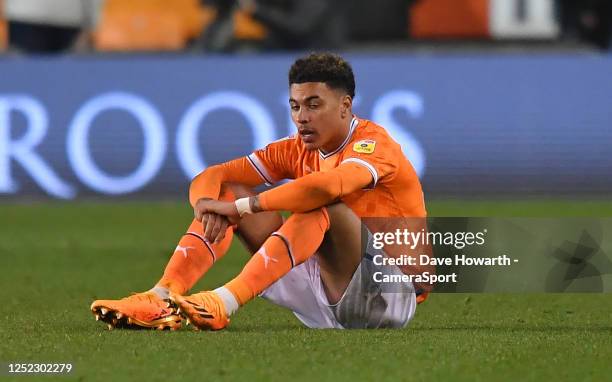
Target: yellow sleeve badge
x: 365, y: 146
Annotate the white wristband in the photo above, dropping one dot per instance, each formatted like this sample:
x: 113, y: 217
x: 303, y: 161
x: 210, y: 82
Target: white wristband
x: 243, y: 206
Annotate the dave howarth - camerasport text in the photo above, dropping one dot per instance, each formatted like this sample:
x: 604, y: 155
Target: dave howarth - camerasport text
x: 502, y: 260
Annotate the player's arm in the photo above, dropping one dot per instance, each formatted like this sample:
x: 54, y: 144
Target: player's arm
x: 304, y: 194
x: 276, y: 161
x: 267, y: 165
x: 315, y: 190
x: 207, y: 184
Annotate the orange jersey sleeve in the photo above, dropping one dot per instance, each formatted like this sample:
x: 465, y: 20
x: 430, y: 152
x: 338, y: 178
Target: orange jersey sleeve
x: 207, y: 184
x: 269, y: 165
x: 396, y: 189
x: 317, y: 189
x: 376, y: 152
x: 277, y: 161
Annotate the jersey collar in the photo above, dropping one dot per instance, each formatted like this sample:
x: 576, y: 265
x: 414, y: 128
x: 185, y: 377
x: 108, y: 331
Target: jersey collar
x: 354, y: 123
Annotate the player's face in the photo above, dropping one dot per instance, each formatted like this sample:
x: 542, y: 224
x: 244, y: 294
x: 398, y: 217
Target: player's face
x: 321, y: 115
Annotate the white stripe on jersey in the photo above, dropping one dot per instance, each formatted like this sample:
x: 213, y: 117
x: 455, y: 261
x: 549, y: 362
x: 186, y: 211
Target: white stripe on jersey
x: 260, y: 168
x: 354, y: 123
x: 368, y: 166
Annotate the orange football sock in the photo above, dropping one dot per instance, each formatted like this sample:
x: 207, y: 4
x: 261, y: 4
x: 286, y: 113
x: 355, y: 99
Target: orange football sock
x: 194, y: 255
x: 192, y: 258
x: 296, y: 240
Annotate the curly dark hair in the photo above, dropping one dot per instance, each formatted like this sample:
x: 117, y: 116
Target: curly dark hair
x: 329, y: 68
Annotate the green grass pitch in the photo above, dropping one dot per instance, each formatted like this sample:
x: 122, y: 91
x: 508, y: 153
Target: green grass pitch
x: 57, y: 258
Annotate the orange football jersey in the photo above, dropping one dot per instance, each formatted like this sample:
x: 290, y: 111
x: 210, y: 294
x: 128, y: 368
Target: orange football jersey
x: 395, y: 191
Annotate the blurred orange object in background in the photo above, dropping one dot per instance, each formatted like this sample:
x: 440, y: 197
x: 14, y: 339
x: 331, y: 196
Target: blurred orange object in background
x: 3, y: 29
x: 150, y: 25
x: 247, y: 28
x: 450, y: 19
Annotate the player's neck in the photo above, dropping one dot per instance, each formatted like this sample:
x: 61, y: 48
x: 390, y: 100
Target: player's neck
x: 339, y: 139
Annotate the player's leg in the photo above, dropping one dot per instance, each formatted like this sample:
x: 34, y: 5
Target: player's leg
x: 354, y: 297
x: 336, y: 288
x: 192, y: 258
x: 194, y: 255
x: 302, y: 289
x: 334, y: 233
x: 293, y: 243
x: 341, y: 251
x: 342, y: 279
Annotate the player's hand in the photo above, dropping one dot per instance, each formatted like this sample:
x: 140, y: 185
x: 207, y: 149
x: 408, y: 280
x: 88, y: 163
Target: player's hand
x: 214, y: 227
x: 209, y: 206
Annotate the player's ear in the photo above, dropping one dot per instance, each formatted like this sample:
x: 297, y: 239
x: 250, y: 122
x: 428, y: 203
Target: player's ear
x: 346, y: 105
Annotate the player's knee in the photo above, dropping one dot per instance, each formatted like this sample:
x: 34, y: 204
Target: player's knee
x: 317, y: 216
x: 340, y: 212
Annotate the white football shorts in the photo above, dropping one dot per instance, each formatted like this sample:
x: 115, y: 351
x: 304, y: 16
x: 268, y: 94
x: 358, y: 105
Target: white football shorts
x: 365, y: 303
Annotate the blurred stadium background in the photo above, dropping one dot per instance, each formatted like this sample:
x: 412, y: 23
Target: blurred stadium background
x: 109, y: 107
x: 131, y: 98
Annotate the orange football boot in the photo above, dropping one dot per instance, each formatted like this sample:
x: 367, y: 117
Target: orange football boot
x: 204, y: 310
x: 421, y: 297
x: 140, y: 310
